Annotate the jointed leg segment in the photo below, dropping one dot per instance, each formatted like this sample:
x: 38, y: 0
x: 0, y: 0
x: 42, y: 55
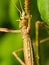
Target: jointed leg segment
x: 16, y: 56
x: 8, y: 30
x: 37, y: 25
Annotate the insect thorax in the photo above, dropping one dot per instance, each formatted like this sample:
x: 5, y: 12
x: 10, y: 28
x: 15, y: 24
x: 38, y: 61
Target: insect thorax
x: 23, y: 20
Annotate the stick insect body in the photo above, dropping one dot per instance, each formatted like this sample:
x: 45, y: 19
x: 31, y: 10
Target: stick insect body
x: 24, y: 21
x: 25, y: 31
x: 24, y: 25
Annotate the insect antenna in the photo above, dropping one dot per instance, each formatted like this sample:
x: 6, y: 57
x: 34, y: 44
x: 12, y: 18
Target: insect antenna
x: 16, y: 6
x: 21, y: 5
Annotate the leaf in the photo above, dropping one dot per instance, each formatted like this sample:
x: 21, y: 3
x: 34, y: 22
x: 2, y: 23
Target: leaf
x: 43, y: 7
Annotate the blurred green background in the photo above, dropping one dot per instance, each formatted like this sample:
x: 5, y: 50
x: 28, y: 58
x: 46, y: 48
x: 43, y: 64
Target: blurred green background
x: 13, y: 41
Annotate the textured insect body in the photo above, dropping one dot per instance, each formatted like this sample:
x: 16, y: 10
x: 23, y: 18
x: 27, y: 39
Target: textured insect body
x: 23, y: 20
x: 24, y: 25
x: 27, y: 45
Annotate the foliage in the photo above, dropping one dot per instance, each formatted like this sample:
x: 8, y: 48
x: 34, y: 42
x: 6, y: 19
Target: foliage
x: 44, y: 10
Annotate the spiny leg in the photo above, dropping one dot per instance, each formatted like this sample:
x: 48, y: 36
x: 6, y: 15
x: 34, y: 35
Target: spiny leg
x: 16, y: 56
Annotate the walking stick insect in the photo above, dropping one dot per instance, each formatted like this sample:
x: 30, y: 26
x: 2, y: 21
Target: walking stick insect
x: 24, y: 21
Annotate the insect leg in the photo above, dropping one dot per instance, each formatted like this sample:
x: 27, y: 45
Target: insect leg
x: 37, y: 41
x: 8, y: 30
x: 42, y: 41
x: 16, y: 56
x: 45, y: 27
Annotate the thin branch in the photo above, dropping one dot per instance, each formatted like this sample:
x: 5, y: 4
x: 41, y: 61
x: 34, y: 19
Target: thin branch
x: 8, y: 30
